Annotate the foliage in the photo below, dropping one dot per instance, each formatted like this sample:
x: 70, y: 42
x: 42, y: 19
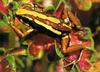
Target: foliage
x: 58, y: 51
x: 5, y: 19
x: 74, y: 60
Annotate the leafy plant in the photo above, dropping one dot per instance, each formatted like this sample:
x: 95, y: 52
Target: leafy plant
x: 31, y: 49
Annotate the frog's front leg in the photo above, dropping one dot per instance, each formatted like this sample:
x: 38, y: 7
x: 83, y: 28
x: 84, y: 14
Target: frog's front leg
x: 68, y: 49
x: 64, y: 43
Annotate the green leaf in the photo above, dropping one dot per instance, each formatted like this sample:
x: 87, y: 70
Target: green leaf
x: 50, y: 8
x: 58, y: 51
x: 93, y: 57
x: 11, y: 61
x: 78, y: 69
x: 73, y: 69
x: 89, y: 34
x: 4, y: 21
x: 24, y: 43
x: 10, y: 13
x: 15, y: 5
x: 20, y: 62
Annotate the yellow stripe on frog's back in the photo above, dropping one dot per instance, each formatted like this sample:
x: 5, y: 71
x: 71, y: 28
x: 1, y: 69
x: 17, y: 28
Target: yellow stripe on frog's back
x: 36, y: 14
x: 47, y: 27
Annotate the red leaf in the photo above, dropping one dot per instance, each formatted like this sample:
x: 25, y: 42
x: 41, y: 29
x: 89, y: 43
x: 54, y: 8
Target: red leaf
x: 17, y: 22
x: 73, y: 56
x: 2, y: 8
x: 83, y: 63
x: 87, y: 43
x: 74, y: 39
x: 59, y: 11
x: 4, y: 66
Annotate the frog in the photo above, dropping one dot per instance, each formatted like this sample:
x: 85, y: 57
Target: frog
x: 44, y: 23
